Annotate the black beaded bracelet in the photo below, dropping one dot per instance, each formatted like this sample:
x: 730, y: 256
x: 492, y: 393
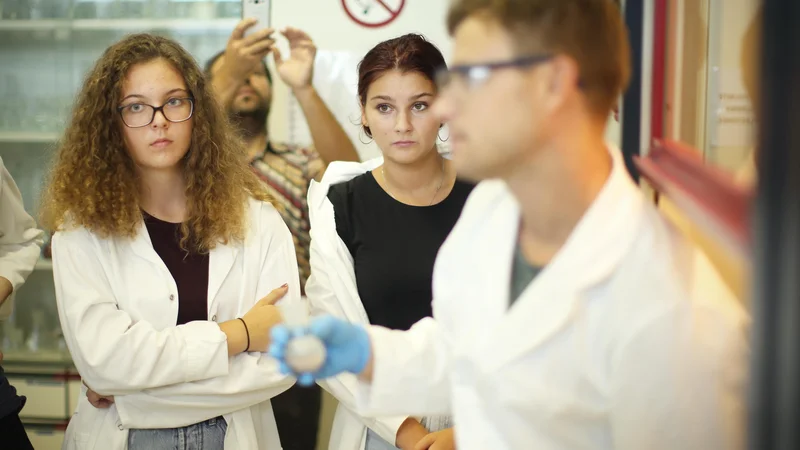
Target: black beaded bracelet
x: 247, y: 332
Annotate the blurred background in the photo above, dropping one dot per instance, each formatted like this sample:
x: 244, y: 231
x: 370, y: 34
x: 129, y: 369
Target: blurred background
x: 693, y: 62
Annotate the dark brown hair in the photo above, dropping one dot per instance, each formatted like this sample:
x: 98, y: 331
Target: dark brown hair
x: 93, y: 183
x: 592, y: 32
x: 408, y: 53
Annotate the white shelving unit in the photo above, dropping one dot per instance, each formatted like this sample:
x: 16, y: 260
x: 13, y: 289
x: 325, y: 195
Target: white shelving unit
x: 33, y: 25
x: 142, y: 24
x: 28, y: 137
x: 120, y: 24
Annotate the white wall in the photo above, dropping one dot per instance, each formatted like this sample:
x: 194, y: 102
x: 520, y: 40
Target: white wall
x: 330, y: 27
x: 730, y: 123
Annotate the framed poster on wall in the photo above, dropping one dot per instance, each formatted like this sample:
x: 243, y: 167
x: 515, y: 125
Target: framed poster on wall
x: 730, y: 120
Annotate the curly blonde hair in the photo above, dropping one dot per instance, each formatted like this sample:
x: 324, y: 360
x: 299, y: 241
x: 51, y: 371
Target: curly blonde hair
x: 93, y: 183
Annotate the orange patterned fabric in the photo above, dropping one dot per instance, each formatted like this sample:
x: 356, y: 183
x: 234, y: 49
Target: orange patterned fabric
x: 287, y: 171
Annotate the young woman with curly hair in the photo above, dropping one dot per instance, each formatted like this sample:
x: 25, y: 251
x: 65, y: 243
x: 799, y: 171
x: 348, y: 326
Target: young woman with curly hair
x: 164, y: 244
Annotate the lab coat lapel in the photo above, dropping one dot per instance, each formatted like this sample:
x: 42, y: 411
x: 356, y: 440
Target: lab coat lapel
x: 503, y: 221
x: 142, y: 246
x: 343, y: 279
x: 220, y: 261
x: 591, y: 253
x: 325, y: 238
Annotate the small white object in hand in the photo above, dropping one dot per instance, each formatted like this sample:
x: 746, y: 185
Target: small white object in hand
x: 305, y: 354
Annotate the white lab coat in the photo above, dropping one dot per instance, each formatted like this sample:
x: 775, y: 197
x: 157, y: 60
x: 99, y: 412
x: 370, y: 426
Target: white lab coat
x: 615, y: 345
x: 20, y: 240
x: 118, y: 307
x: 331, y: 289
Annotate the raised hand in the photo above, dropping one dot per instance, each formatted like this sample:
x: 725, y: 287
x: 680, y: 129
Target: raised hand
x: 244, y: 53
x: 298, y: 70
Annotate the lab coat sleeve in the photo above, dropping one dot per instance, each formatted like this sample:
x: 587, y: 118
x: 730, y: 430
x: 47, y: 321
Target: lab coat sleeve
x: 410, y: 372
x: 20, y: 240
x: 323, y: 300
x: 114, y: 354
x: 252, y: 377
x: 681, y: 387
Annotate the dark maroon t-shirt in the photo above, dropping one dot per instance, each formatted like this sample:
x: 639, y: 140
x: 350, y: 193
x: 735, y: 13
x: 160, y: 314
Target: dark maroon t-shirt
x: 189, y: 270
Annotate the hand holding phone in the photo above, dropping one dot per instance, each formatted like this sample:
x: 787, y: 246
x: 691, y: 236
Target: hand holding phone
x: 245, y: 51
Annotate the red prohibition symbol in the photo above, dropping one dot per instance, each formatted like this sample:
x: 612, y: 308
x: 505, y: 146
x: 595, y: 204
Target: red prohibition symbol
x: 373, y: 13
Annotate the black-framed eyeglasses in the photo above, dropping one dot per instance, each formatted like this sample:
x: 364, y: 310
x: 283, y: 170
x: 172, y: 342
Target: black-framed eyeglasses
x: 476, y: 74
x: 176, y: 109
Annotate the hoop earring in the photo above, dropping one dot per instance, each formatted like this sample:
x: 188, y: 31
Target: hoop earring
x: 440, y: 138
x: 360, y: 132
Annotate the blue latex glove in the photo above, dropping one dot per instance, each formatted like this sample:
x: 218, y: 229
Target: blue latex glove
x: 347, y: 345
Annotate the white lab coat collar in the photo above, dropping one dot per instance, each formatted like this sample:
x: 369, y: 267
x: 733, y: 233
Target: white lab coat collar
x: 341, y: 171
x: 591, y: 253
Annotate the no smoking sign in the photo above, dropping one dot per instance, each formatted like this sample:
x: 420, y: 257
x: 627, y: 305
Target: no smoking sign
x: 373, y: 13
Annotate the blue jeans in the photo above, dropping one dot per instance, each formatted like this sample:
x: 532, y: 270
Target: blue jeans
x: 375, y: 442
x: 208, y: 435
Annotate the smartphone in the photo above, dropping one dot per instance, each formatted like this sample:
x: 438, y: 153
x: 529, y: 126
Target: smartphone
x: 259, y: 10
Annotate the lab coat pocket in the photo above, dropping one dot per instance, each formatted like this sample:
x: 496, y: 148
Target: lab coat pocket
x: 81, y: 427
x: 85, y: 425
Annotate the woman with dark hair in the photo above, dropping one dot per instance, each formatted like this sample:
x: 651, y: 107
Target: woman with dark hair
x: 164, y: 243
x: 376, y: 227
